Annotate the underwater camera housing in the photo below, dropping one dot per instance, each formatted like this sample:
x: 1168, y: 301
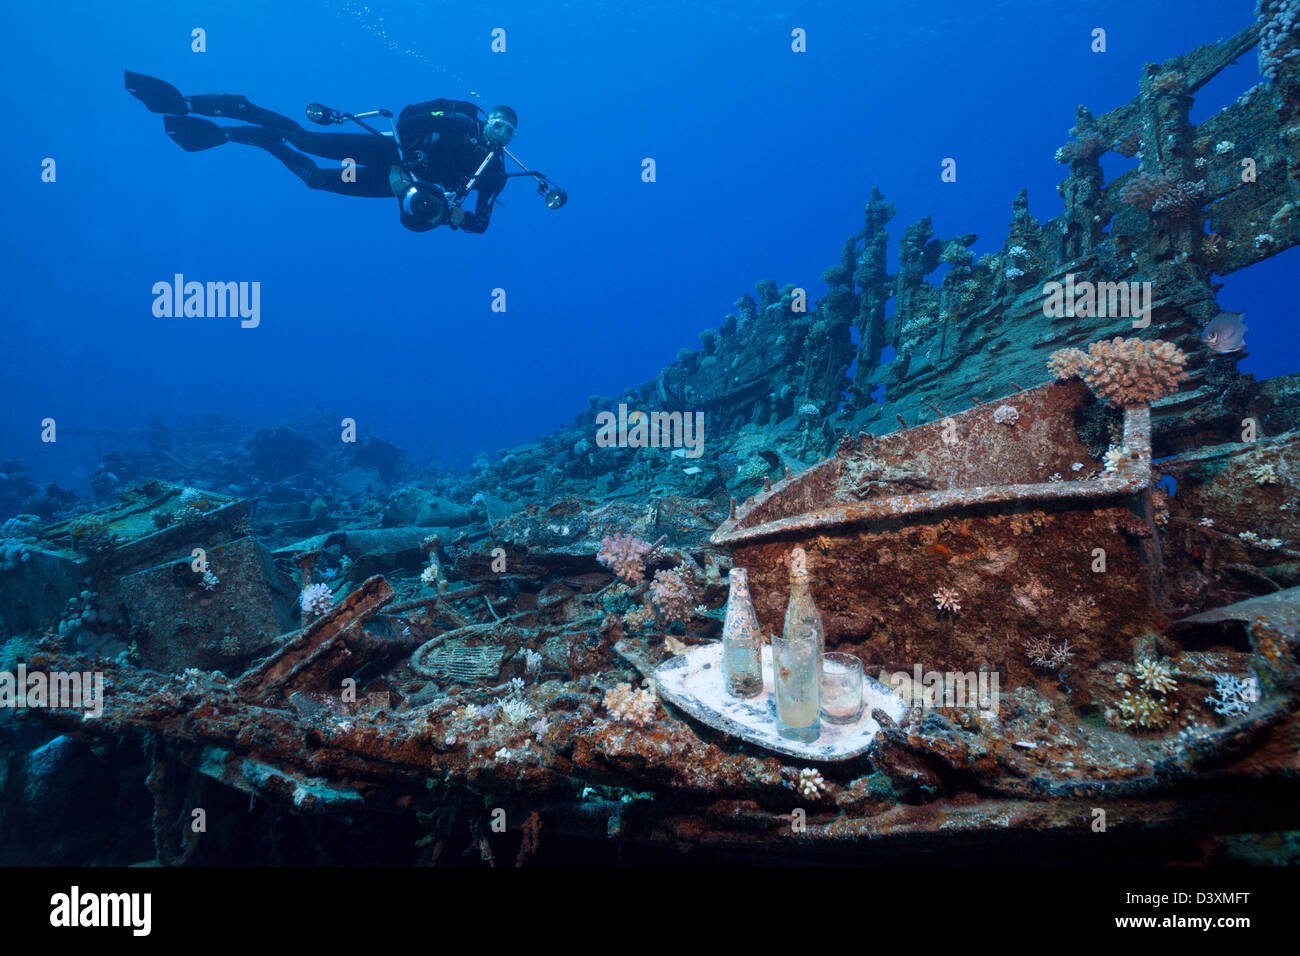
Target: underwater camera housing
x: 426, y: 203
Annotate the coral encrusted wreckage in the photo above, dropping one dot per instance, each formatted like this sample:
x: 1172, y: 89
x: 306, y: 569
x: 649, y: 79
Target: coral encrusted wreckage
x: 357, y: 646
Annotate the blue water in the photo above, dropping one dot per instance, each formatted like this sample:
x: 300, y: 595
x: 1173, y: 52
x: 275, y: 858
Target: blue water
x: 764, y: 159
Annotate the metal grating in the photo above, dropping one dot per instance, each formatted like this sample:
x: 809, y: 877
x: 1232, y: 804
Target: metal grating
x: 463, y: 662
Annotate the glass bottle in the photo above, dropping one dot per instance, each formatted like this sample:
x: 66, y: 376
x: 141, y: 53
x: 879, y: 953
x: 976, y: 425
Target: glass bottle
x: 801, y: 614
x: 742, y: 643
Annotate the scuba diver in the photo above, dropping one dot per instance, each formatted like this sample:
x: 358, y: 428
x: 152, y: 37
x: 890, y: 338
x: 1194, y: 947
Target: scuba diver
x: 436, y: 154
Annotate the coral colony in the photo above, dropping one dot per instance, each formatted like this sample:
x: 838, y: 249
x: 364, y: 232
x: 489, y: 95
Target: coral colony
x: 963, y: 556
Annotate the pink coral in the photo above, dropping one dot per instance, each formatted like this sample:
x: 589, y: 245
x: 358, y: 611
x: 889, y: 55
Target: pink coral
x: 1087, y: 146
x: 673, y: 595
x: 1165, y: 193
x: 1181, y: 199
x: 1066, y: 363
x: 1128, y: 372
x: 625, y: 555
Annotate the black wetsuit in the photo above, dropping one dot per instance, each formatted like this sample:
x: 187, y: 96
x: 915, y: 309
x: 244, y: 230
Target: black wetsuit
x: 446, y: 145
x: 441, y: 146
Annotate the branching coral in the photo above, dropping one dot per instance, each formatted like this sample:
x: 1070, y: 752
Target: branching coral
x: 672, y: 593
x: 1263, y: 473
x: 1042, y: 653
x: 1180, y: 199
x: 1066, y: 363
x: 315, y: 600
x: 630, y: 706
x: 516, y: 710
x: 1114, y: 455
x: 1156, y: 676
x: 1148, y: 708
x: 90, y: 535
x: 946, y: 599
x: 1233, y: 696
x: 811, y: 784
x: 1086, y: 146
x: 635, y: 618
x: 625, y: 555
x: 1164, y: 193
x: 1266, y: 544
x: 1129, y: 372
x: 1145, y: 711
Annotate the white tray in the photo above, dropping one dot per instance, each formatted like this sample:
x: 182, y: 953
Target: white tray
x: 693, y: 682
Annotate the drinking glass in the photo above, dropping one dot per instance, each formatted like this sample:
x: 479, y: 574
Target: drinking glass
x: 795, y: 669
x: 841, y: 688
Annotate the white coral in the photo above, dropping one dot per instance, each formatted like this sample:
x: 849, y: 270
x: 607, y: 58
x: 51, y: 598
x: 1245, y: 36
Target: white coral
x: 516, y: 710
x: 1266, y: 544
x: 1044, y: 654
x: 1263, y: 473
x: 1114, y: 455
x: 811, y: 785
x: 1006, y: 415
x: 1156, y: 675
x: 315, y: 600
x: 1233, y: 696
x: 945, y: 599
x: 630, y: 706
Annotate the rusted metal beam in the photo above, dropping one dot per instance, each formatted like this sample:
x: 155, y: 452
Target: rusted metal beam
x: 315, y: 653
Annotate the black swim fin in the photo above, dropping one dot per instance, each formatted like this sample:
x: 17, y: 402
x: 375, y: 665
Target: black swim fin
x: 193, y: 134
x: 159, y: 95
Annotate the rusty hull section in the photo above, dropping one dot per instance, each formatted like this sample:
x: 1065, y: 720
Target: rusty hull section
x: 1020, y: 549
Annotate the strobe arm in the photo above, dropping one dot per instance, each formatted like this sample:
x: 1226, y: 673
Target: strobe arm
x: 322, y: 115
x: 554, y: 196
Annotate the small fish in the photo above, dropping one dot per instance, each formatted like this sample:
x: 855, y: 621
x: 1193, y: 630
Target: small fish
x: 1226, y: 332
